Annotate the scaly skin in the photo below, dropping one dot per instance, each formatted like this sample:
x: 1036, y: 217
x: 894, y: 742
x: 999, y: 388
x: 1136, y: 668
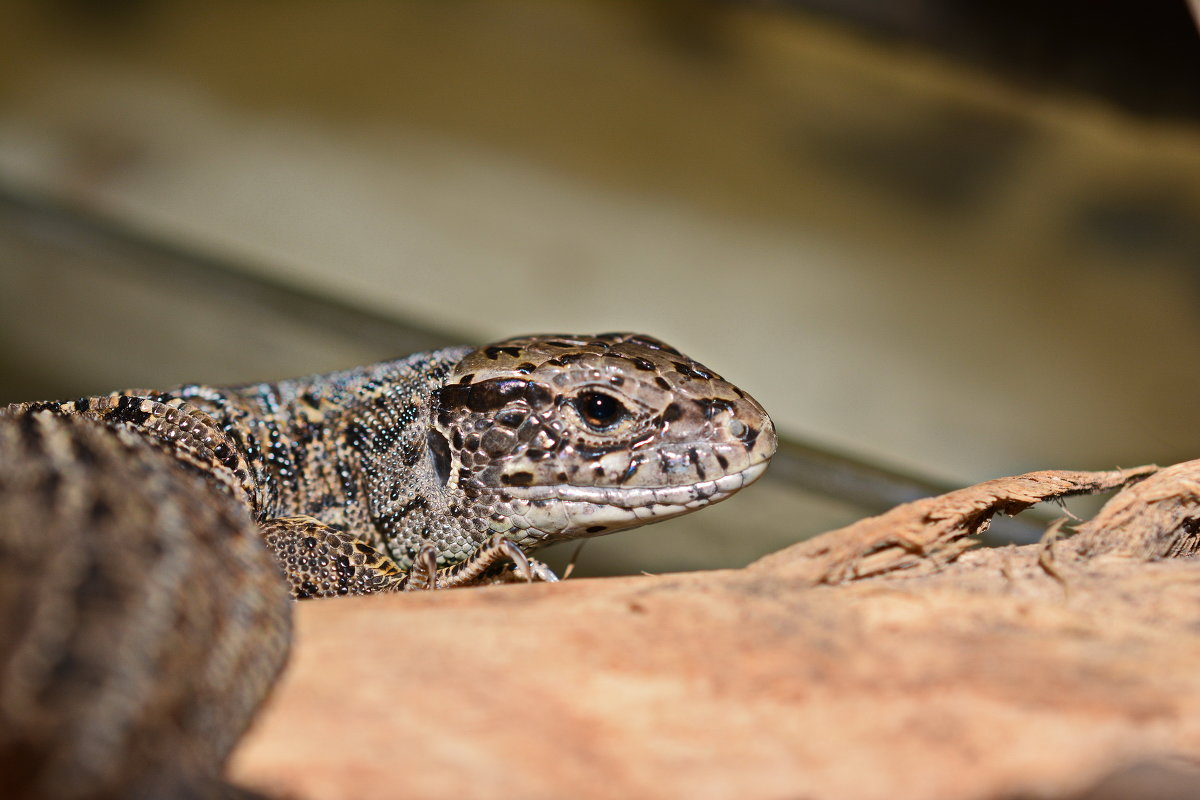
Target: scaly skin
x: 438, y: 470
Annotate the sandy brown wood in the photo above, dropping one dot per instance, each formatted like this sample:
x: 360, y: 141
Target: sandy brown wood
x: 1033, y: 671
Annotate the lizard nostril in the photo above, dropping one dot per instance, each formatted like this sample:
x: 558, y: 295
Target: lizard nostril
x: 737, y: 428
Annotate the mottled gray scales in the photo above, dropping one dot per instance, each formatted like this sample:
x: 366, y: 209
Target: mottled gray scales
x: 348, y: 449
x: 142, y: 616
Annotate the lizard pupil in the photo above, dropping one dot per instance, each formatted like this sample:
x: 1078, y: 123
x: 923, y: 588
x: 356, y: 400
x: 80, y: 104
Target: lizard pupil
x: 599, y: 410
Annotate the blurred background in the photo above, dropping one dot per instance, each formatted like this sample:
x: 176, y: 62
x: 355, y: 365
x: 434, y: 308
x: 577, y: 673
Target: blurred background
x: 940, y: 241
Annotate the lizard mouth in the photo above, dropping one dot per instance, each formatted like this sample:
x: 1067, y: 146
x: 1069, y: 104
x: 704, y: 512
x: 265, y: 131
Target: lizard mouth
x: 548, y: 513
x: 692, y: 494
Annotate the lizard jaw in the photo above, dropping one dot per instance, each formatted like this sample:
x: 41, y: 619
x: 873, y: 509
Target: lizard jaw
x: 544, y: 514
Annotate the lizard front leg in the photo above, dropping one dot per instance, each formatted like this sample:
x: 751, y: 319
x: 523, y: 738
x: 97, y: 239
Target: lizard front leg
x: 498, y: 560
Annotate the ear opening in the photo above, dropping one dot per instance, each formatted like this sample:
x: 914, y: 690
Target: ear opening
x: 439, y: 452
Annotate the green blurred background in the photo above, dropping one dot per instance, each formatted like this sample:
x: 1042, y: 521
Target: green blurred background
x: 941, y: 242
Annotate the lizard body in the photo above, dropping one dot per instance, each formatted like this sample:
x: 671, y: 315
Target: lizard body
x: 438, y: 470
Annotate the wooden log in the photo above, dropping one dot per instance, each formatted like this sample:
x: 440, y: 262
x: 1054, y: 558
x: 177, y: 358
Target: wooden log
x: 883, y: 660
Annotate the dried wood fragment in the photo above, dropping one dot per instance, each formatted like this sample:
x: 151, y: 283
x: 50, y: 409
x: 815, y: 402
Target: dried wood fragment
x: 927, y: 534
x: 1158, y: 518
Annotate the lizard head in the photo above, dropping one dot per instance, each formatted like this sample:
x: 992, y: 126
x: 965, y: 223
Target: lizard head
x: 567, y: 436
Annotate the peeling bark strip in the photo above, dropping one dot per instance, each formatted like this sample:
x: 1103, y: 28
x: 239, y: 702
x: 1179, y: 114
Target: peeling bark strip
x: 1157, y: 518
x: 934, y: 531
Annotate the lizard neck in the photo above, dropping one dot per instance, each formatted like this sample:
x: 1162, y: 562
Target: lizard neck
x: 350, y: 449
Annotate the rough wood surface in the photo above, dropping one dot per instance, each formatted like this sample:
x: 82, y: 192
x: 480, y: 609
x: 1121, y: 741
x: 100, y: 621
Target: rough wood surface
x: 879, y: 661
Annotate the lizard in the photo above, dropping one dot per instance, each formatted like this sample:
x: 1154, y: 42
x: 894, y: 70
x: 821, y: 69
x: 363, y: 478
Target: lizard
x: 151, y: 542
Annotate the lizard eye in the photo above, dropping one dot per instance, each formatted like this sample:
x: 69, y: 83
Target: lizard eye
x: 600, y: 411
